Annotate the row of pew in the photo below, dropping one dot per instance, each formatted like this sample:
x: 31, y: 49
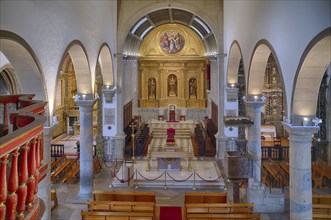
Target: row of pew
x: 120, y: 206
x: 321, y: 173
x: 321, y: 206
x: 276, y: 174
x: 210, y: 206
x: 200, y: 140
x: 141, y: 205
x: 67, y: 170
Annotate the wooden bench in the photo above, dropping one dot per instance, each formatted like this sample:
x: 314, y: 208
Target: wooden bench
x: 100, y: 195
x: 322, y: 199
x: 211, y: 216
x: 68, y: 178
x: 192, y: 197
x: 219, y: 208
x: 58, y: 170
x: 56, y: 163
x: 54, y: 199
x: 89, y: 215
x: 121, y: 206
x: 320, y: 170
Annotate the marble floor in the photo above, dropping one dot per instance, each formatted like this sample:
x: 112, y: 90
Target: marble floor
x: 196, y: 177
x: 70, y: 204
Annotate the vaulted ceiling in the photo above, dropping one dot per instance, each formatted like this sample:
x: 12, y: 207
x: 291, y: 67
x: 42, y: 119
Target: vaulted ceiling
x: 169, y: 16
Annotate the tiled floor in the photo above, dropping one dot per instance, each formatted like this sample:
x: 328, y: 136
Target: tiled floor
x: 70, y: 204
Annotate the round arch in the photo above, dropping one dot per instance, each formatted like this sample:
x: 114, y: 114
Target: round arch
x: 30, y: 77
x: 106, y: 64
x: 235, y: 56
x: 79, y: 59
x: 261, y: 53
x: 161, y: 14
x: 312, y: 66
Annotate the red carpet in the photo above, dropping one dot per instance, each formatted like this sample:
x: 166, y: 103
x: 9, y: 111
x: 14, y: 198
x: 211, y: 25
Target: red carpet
x: 170, y: 213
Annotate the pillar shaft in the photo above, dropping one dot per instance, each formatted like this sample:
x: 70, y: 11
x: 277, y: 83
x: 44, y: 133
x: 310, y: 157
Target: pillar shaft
x: 253, y: 111
x: 44, y: 191
x: 86, y: 146
x: 300, y: 170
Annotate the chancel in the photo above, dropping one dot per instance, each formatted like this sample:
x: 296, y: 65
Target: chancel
x: 175, y: 109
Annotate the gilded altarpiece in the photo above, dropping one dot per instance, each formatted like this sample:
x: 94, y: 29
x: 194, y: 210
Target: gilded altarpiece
x: 172, y: 69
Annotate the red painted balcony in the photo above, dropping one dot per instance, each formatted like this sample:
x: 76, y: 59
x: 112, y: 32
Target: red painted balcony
x: 22, y: 164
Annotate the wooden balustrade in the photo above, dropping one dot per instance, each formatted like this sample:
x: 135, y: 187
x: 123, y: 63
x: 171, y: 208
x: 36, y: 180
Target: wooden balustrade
x: 22, y: 149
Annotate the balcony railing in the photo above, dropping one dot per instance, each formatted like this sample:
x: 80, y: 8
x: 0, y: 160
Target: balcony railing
x: 22, y: 164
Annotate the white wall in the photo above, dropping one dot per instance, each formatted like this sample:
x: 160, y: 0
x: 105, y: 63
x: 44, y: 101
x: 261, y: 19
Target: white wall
x: 288, y: 26
x: 49, y: 26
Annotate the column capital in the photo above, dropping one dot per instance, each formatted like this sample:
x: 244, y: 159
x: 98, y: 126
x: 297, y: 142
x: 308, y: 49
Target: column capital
x: 300, y: 133
x: 85, y: 103
x: 108, y: 93
x: 254, y: 105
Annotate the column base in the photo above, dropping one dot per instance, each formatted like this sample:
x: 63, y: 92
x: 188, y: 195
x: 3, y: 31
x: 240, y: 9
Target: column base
x: 263, y: 200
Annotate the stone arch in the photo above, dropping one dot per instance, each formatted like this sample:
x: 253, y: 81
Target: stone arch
x: 8, y: 76
x: 80, y: 61
x: 106, y: 65
x: 311, y: 69
x: 255, y: 82
x: 28, y: 71
x: 235, y: 56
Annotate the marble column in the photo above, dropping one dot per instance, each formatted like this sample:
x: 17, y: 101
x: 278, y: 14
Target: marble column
x: 253, y: 111
x: 300, y: 143
x: 44, y: 187
x: 86, y: 146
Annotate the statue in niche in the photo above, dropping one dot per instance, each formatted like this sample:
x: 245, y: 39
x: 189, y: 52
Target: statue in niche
x: 193, y: 88
x: 151, y: 88
x: 172, y: 85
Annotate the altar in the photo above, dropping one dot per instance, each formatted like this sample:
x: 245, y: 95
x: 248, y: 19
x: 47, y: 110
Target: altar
x: 169, y: 160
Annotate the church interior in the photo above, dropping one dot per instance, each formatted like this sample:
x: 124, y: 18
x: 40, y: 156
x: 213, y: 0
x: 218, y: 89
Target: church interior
x: 170, y: 110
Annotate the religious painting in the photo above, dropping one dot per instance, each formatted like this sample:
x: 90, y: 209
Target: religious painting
x: 172, y: 85
x: 193, y: 88
x: 172, y: 42
x: 151, y: 88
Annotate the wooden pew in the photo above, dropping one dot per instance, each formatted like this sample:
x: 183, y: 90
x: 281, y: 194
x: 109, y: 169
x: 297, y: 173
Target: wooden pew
x: 219, y: 208
x: 59, y: 170
x: 193, y: 197
x: 121, y: 206
x: 57, y: 162
x: 68, y: 178
x: 321, y: 206
x: 321, y: 199
x: 211, y: 216
x: 89, y: 215
x: 100, y: 195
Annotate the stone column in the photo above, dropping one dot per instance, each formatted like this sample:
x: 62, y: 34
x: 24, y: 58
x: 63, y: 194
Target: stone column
x: 300, y: 170
x: 86, y: 146
x: 120, y: 136
x: 253, y: 111
x: 44, y: 187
